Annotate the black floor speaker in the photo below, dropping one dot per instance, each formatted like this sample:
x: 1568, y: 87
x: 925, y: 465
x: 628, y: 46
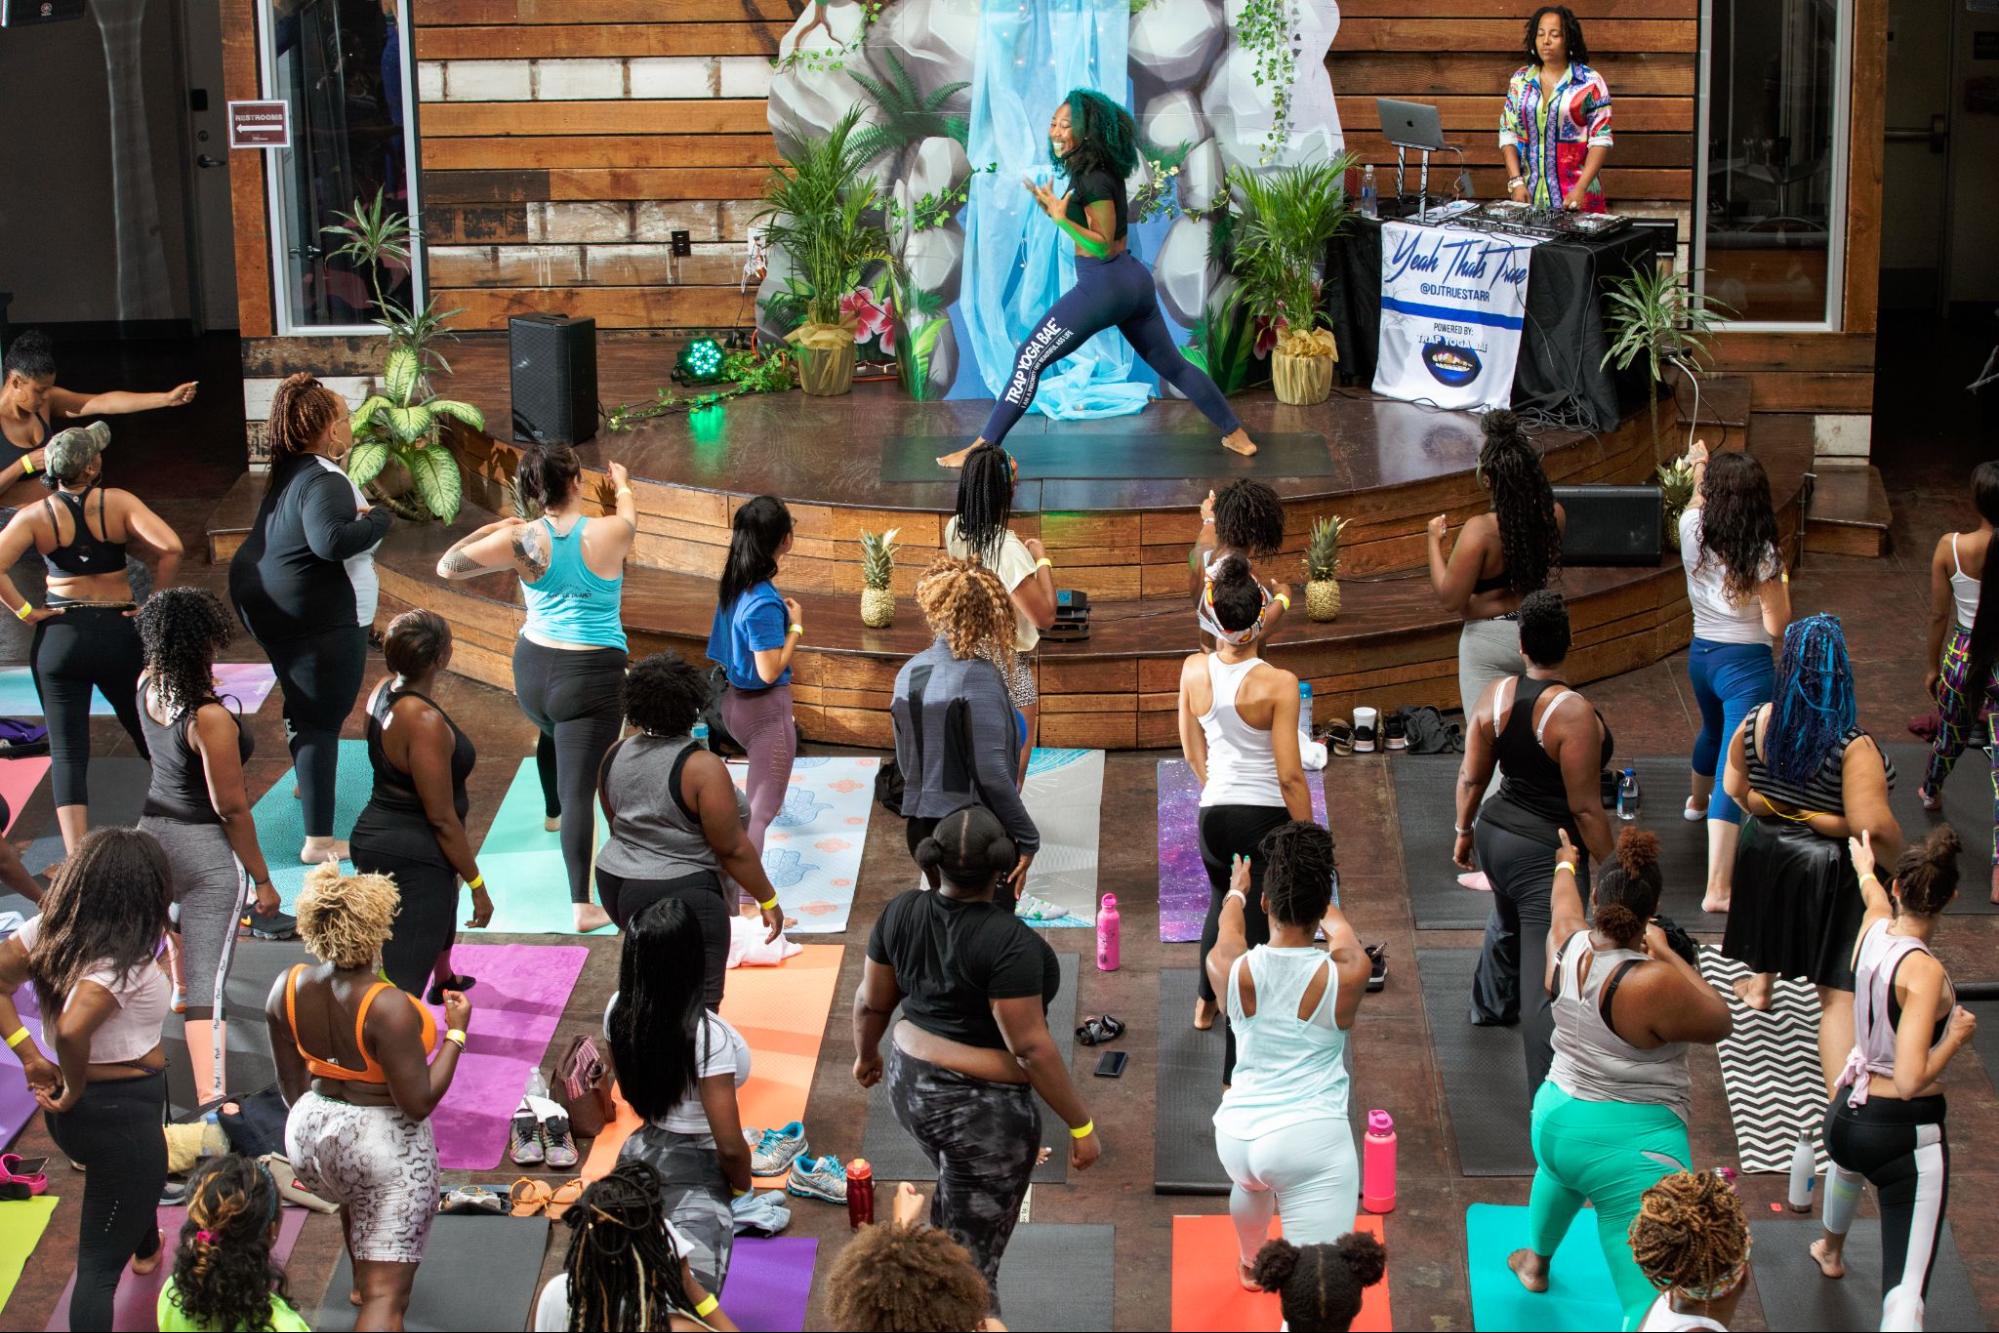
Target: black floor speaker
x: 1611, y: 525
x: 553, y: 375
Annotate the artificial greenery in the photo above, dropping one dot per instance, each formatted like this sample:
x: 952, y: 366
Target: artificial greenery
x: 1286, y: 219
x: 909, y: 304
x: 1268, y: 30
x: 1658, y: 314
x: 907, y: 114
x: 769, y: 371
x: 1159, y: 195
x: 832, y: 58
x: 820, y: 209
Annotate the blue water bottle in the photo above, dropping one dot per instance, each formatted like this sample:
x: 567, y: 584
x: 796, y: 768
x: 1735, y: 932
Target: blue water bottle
x: 1304, y: 711
x: 1628, y: 796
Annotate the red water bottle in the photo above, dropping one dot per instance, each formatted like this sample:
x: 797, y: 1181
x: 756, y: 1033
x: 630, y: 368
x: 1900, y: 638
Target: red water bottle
x: 860, y: 1193
x: 1377, y: 1190
x: 1107, y: 934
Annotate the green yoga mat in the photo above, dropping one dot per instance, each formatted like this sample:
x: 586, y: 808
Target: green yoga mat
x: 281, y: 819
x: 1135, y: 454
x: 22, y: 1223
x: 1579, y: 1295
x: 522, y: 863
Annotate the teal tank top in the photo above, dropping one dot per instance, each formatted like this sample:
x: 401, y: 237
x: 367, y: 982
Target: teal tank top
x: 572, y: 603
x: 1288, y: 1069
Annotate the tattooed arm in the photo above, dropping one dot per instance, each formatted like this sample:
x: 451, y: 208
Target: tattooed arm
x: 509, y: 543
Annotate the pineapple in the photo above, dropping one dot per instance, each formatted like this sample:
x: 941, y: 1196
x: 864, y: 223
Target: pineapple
x: 877, y: 569
x: 1322, y: 562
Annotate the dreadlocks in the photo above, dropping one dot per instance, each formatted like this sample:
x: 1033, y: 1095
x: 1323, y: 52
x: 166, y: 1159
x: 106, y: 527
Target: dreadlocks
x: 1815, y: 705
x: 1690, y: 1235
x: 1105, y: 135
x: 1298, y: 872
x: 301, y: 410
x: 966, y: 604
x: 623, y: 1271
x: 985, y: 501
x: 223, y: 1273
x: 1529, y: 538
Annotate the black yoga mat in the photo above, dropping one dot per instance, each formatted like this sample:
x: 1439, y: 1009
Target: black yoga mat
x: 117, y: 796
x: 1967, y: 805
x: 896, y: 1156
x: 1117, y: 456
x: 1425, y: 807
x: 479, y: 1272
x: 1056, y: 1277
x: 1662, y: 783
x: 1796, y: 1296
x: 1483, y: 1068
x: 1189, y: 1089
x: 257, y: 966
x: 1986, y: 1040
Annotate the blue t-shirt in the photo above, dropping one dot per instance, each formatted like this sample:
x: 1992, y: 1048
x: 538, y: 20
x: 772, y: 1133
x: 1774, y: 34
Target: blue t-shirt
x: 755, y: 623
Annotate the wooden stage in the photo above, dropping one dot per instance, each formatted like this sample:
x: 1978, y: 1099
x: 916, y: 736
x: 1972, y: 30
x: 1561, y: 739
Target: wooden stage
x: 1390, y: 467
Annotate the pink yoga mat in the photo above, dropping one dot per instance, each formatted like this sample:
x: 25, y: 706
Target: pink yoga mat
x: 249, y: 683
x: 136, y: 1307
x: 522, y: 991
x: 18, y: 780
x: 769, y: 1282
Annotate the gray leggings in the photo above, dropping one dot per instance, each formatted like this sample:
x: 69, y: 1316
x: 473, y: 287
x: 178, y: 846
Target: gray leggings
x: 211, y: 889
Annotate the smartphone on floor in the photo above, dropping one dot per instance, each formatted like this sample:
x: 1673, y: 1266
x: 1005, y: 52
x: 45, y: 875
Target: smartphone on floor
x: 1111, y: 1064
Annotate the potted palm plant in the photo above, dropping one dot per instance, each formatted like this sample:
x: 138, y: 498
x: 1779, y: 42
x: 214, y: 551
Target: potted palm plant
x: 1287, y: 217
x: 821, y: 210
x: 1658, y: 314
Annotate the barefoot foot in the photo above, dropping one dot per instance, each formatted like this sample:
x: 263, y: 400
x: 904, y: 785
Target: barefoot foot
x: 956, y: 459
x: 1530, y: 1268
x: 1238, y: 442
x: 141, y: 1267
x: 1716, y: 905
x: 1830, y: 1261
x: 1754, y: 991
x: 318, y: 851
x: 590, y: 917
x: 1204, y: 1014
x: 1245, y: 1274
x: 552, y: 824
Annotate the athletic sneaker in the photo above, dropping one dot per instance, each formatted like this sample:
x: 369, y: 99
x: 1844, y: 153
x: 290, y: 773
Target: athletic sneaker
x: 276, y: 926
x: 558, y: 1144
x: 1031, y: 908
x: 774, y: 1151
x: 527, y: 1149
x: 822, y: 1178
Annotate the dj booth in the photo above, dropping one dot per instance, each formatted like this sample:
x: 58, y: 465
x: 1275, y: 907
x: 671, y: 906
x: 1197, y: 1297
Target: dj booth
x: 1560, y: 374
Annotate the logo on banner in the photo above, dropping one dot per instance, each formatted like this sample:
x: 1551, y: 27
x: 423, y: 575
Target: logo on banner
x: 1453, y: 304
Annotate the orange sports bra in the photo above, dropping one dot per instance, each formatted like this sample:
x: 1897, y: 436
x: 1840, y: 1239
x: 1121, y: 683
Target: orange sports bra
x: 371, y: 1070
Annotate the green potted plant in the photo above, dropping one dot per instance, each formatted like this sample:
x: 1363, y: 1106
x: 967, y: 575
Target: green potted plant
x: 821, y: 209
x: 404, y: 423
x: 1657, y: 314
x: 1287, y: 217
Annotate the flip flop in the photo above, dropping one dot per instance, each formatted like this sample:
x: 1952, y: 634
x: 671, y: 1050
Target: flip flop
x: 36, y: 1182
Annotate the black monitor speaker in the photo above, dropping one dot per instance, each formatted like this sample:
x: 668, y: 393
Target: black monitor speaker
x: 1611, y: 525
x: 21, y: 13
x: 553, y: 362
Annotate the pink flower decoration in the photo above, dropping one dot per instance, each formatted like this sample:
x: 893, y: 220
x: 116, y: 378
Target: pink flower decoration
x: 871, y: 318
x: 1267, y: 330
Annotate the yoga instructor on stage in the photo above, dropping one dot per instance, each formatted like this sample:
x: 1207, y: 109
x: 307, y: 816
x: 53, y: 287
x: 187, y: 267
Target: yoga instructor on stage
x: 1555, y: 127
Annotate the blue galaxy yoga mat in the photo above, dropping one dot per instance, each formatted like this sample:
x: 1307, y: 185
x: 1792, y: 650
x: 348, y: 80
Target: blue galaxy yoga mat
x: 522, y: 863
x: 248, y: 683
x: 812, y: 850
x: 281, y: 819
x: 1579, y: 1294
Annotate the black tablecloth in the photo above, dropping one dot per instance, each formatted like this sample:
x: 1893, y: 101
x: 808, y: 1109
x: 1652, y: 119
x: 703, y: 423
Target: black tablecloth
x: 1561, y: 373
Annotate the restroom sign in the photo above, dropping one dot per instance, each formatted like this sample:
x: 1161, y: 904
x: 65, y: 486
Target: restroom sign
x: 260, y: 125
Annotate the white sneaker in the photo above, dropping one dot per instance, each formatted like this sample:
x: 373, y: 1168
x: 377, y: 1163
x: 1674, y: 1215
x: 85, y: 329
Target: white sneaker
x: 1031, y: 908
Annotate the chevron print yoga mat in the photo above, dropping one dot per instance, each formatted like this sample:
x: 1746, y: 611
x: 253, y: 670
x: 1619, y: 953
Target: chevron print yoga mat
x: 1770, y: 1067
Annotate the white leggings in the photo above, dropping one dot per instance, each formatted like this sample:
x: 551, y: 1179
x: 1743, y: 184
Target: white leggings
x: 1308, y: 1172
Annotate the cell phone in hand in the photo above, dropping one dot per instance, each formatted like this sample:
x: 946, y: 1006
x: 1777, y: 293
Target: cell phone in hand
x: 1111, y: 1064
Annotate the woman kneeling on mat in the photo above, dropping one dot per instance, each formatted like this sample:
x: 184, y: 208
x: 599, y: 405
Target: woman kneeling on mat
x: 351, y: 1053
x: 1320, y: 1287
x: 1691, y: 1240
x: 973, y: 1049
x: 1612, y: 1116
x: 1282, y: 1130
x: 627, y: 1264
x: 679, y: 1066
x: 1886, y: 1120
x: 1094, y: 142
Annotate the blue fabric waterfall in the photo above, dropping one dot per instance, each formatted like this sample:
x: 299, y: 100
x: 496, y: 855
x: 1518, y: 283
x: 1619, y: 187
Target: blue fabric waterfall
x: 1017, y: 262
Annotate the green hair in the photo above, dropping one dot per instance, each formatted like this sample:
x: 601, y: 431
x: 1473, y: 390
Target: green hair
x: 1106, y: 137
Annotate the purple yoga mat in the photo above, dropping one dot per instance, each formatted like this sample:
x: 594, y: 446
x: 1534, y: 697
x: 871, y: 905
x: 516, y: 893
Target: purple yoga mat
x: 248, y: 683
x: 1183, y: 881
x: 522, y: 991
x: 17, y: 1104
x: 136, y: 1307
x: 769, y: 1282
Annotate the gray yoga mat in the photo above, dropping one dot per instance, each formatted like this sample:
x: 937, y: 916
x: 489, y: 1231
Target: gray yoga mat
x: 479, y: 1272
x: 896, y: 1156
x: 1986, y: 1040
x: 1425, y: 808
x: 1967, y: 805
x: 117, y: 796
x: 1483, y: 1068
x: 1662, y: 782
x: 1058, y: 1276
x: 257, y: 966
x: 1796, y: 1296
x: 1117, y: 456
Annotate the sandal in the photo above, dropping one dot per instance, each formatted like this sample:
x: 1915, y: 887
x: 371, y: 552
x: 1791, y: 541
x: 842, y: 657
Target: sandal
x: 473, y: 1199
x: 564, y: 1198
x: 37, y: 1182
x: 1338, y: 737
x: 1098, y: 1029
x: 1377, y: 966
x: 528, y: 1196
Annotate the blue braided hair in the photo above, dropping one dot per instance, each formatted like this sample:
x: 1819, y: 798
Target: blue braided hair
x: 1815, y: 705
x: 1106, y: 137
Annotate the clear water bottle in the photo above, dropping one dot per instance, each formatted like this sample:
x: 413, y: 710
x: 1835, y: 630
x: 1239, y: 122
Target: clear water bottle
x: 700, y: 733
x: 1370, y: 197
x: 537, y: 1086
x: 1628, y: 795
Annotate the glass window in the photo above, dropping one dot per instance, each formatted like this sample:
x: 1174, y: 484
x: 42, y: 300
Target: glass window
x: 344, y: 68
x: 1773, y: 193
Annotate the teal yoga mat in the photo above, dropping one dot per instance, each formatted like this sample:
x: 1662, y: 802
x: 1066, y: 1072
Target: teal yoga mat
x: 281, y: 819
x: 1579, y: 1295
x: 522, y: 863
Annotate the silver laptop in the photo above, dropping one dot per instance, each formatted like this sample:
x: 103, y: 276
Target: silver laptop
x: 1410, y: 124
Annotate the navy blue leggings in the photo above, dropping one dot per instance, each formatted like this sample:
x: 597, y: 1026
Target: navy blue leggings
x: 1109, y: 293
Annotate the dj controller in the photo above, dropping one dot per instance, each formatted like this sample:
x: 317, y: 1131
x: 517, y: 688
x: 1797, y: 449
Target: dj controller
x: 1548, y: 224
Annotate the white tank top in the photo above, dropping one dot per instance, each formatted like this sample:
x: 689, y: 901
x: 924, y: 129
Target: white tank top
x: 1591, y: 1061
x: 1964, y: 588
x: 1242, y: 770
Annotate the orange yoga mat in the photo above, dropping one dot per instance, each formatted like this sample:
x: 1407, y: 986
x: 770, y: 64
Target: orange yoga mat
x: 1206, y: 1294
x: 782, y: 1013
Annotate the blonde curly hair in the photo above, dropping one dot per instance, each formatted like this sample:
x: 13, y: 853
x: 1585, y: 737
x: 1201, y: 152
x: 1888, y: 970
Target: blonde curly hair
x: 343, y: 919
x: 968, y: 606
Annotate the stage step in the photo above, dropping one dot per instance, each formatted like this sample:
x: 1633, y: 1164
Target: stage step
x: 1850, y: 513
x: 229, y: 522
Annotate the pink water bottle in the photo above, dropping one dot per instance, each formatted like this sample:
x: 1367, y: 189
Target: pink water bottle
x: 1107, y: 934
x: 1377, y: 1190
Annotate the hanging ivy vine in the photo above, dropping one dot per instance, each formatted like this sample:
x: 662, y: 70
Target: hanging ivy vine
x: 1268, y: 30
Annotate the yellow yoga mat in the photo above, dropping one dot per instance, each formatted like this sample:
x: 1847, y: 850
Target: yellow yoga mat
x: 22, y: 1223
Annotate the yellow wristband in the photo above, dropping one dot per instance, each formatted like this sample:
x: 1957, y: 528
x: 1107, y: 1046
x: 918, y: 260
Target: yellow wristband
x: 706, y: 1307
x: 27, y: 609
x: 476, y: 882
x: 798, y: 629
x: 738, y: 1194
x: 27, y: 465
x: 1283, y: 599
x: 457, y: 1035
x: 1044, y: 563
x: 767, y: 906
x: 1863, y: 879
x: 1569, y: 866
x: 20, y: 1035
x: 1084, y: 1130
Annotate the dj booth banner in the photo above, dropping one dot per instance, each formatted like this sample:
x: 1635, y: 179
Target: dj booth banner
x: 1452, y: 305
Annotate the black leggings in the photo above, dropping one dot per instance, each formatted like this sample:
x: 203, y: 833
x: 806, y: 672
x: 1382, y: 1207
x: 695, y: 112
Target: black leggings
x: 625, y: 898
x: 114, y: 1132
x: 1901, y: 1148
x: 320, y: 676
x: 426, y: 921
x: 1109, y: 293
x: 85, y: 648
x: 576, y: 698
x: 1508, y: 987
x: 1229, y: 831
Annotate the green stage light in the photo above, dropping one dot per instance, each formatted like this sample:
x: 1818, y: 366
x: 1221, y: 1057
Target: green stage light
x: 700, y: 362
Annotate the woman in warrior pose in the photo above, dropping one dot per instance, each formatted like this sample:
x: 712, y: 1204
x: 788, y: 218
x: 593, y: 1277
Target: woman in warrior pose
x: 1095, y: 143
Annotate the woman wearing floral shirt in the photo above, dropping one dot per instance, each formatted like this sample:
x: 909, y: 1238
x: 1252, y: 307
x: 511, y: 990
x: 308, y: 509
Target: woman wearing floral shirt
x: 1555, y: 127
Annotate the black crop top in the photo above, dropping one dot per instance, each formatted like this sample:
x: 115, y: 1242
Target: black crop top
x: 179, y: 785
x: 1533, y: 800
x: 952, y: 959
x: 1093, y: 186
x: 85, y: 552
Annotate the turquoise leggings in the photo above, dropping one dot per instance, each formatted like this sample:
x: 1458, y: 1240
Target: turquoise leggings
x: 1608, y: 1153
